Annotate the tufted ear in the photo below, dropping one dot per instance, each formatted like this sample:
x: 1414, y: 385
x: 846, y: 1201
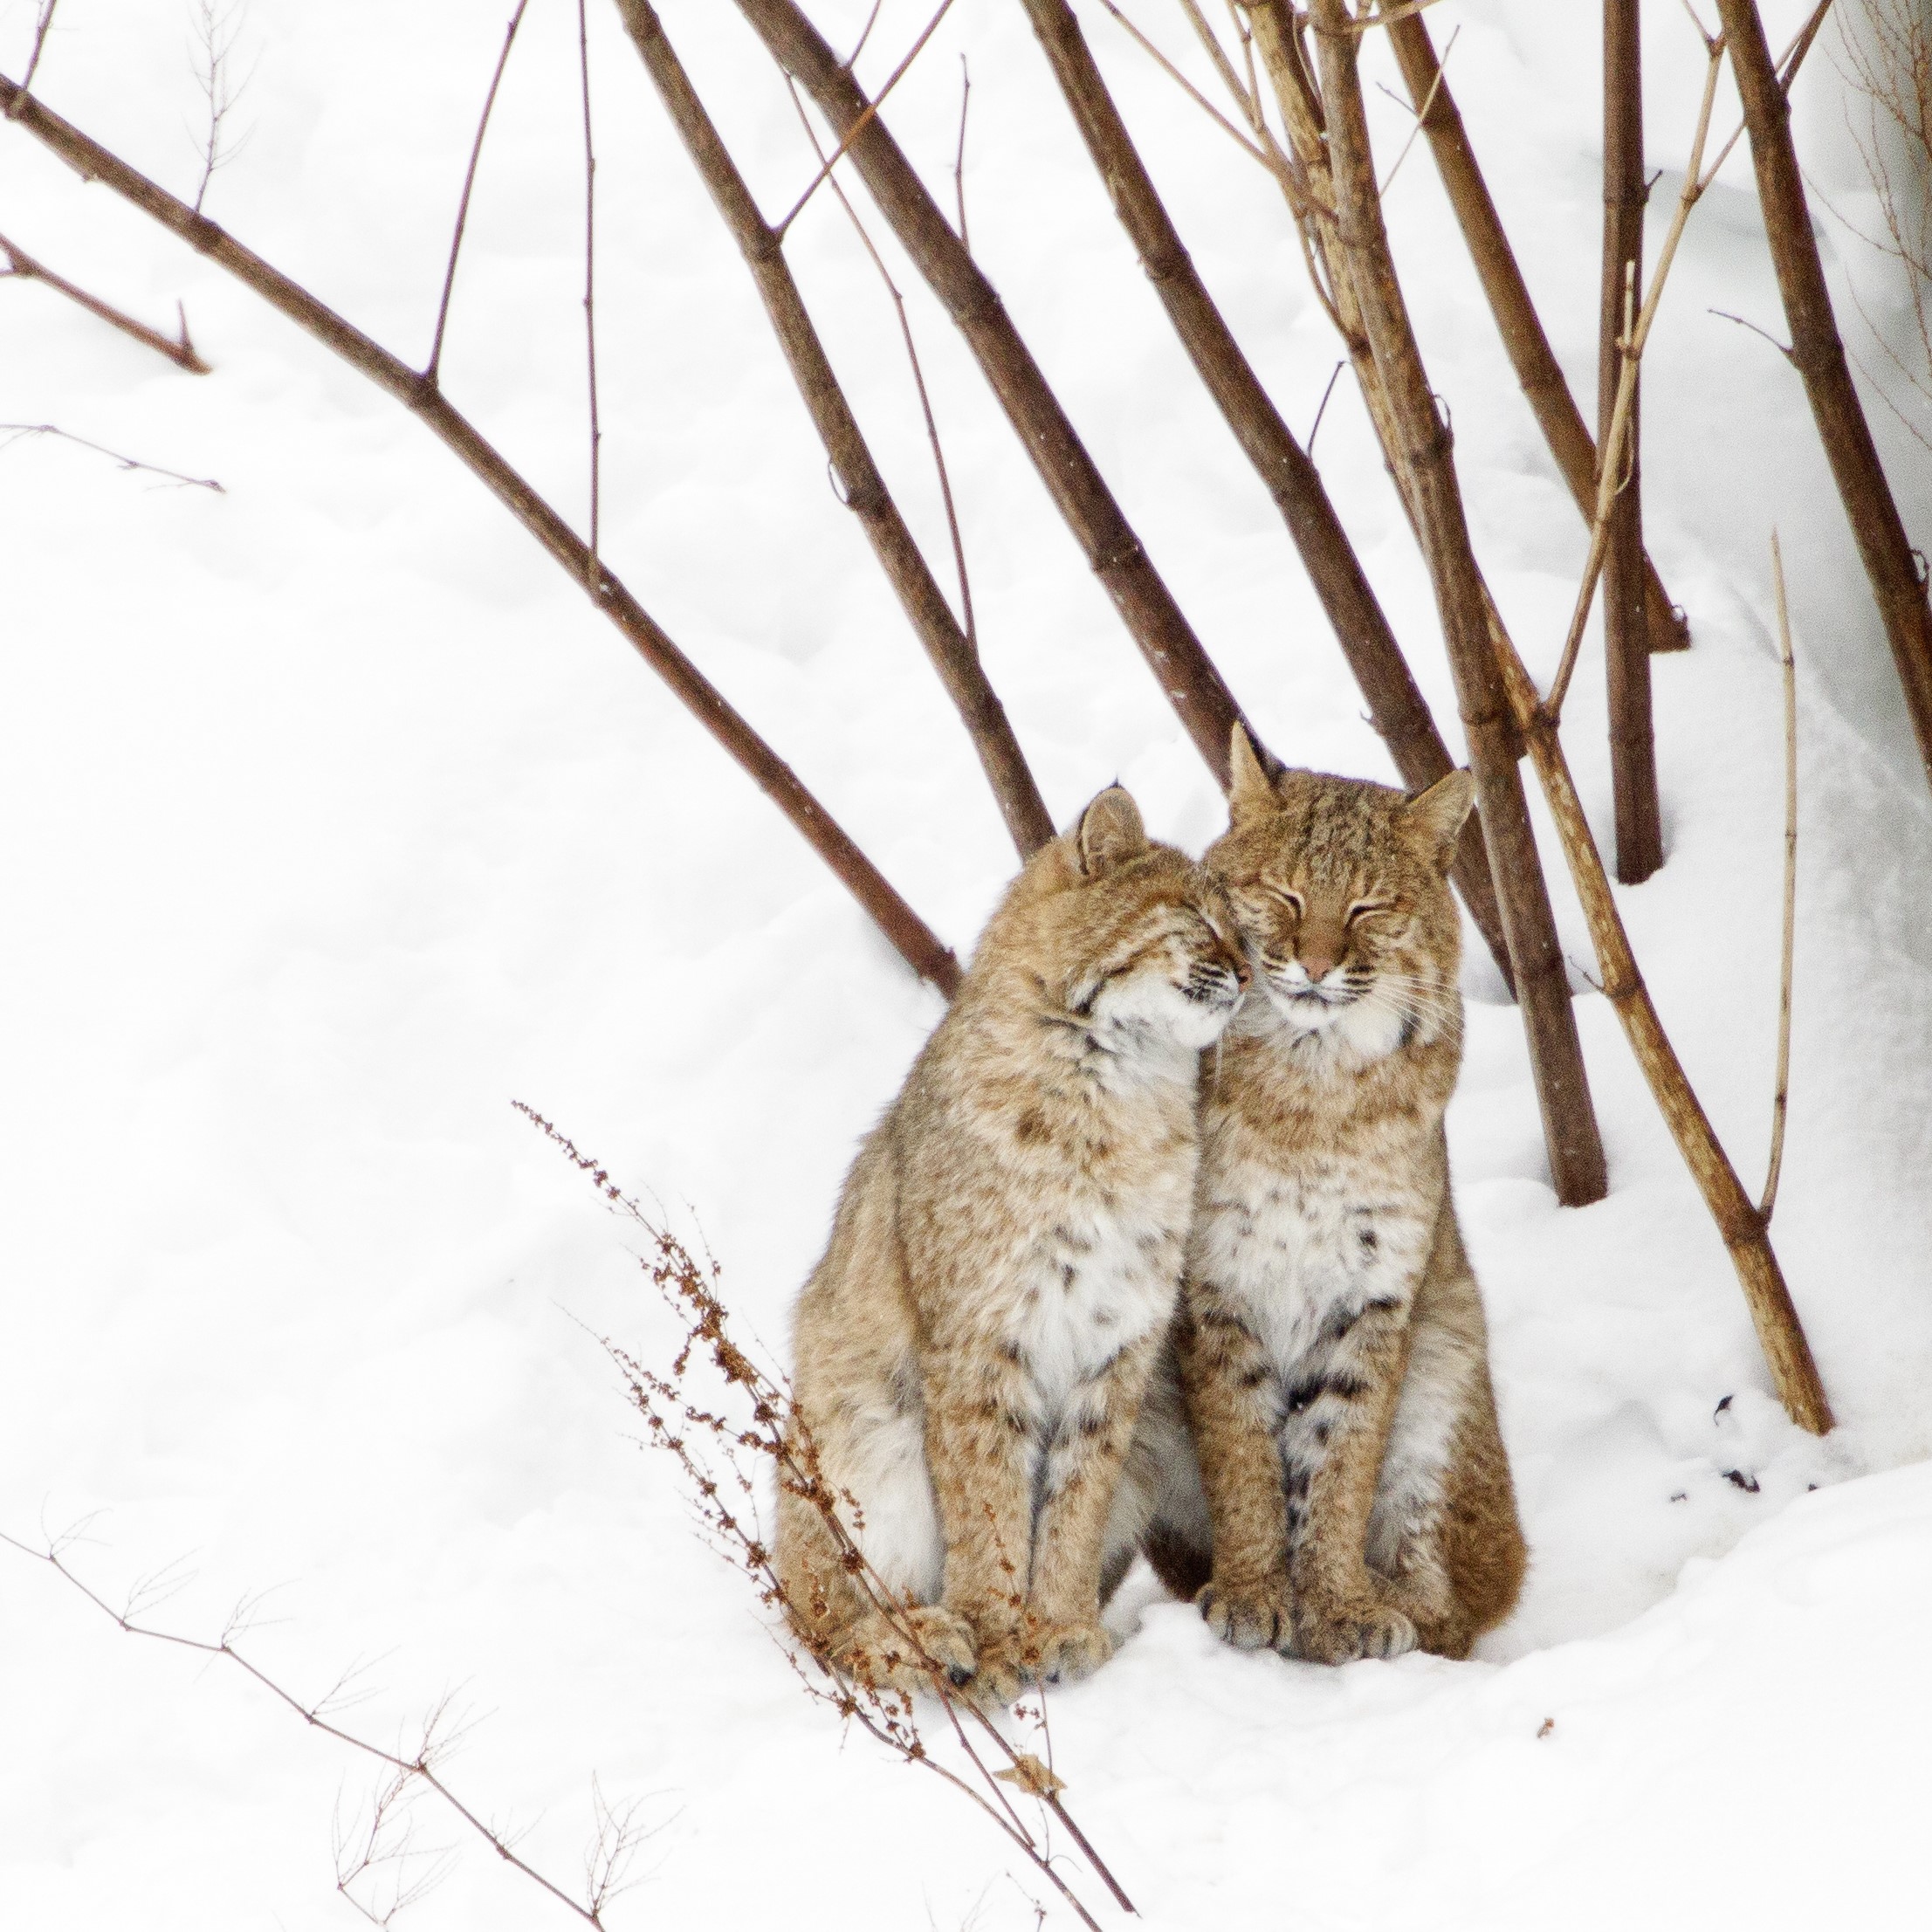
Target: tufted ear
x: 1249, y: 790
x: 1434, y: 820
x: 1110, y: 832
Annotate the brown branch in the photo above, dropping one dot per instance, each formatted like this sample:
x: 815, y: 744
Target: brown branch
x: 1697, y: 178
x: 1780, y: 1334
x: 178, y: 349
x: 1396, y: 706
x: 590, y: 292
x: 1537, y: 372
x: 434, y: 363
x: 1423, y: 453
x: 1780, y: 1102
x: 1186, y: 675
x: 1818, y: 356
x: 864, y: 120
x: 952, y: 651
x: 420, y: 1768
x: 1639, y: 814
x: 15, y: 432
x: 914, y: 941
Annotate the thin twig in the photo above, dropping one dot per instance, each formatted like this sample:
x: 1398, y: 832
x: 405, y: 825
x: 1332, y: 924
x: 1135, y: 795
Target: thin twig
x: 40, y: 28
x: 1321, y: 411
x: 217, y: 30
x: 1421, y: 111
x: 591, y: 572
x: 865, y: 120
x: 1610, y: 454
x: 15, y: 432
x: 420, y: 1766
x: 179, y: 349
x: 918, y: 375
x: 1783, y: 349
x: 1780, y: 1103
x: 851, y: 59
x: 435, y: 364
x: 959, y: 156
x: 1253, y: 151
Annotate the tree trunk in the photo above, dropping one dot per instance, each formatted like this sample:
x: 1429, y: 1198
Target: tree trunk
x: 1186, y: 675
x: 863, y: 488
x: 1396, y: 706
x: 1819, y: 356
x: 1626, y: 653
x: 1527, y: 348
x: 1570, y: 1123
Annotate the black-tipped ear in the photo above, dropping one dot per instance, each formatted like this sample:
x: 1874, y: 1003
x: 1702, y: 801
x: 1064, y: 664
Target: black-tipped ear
x: 1110, y: 832
x: 1249, y: 790
x: 1434, y: 819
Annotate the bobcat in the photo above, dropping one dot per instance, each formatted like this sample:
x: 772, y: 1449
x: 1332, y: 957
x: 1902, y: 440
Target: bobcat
x: 1352, y: 1495
x: 970, y: 1352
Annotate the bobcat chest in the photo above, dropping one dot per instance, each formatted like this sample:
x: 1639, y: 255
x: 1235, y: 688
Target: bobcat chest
x: 1098, y: 1280
x: 1300, y: 1253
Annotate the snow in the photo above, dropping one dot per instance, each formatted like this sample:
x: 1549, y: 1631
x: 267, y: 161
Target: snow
x: 332, y: 818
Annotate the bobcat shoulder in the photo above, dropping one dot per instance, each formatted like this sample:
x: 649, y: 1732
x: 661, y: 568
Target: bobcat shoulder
x: 971, y: 1353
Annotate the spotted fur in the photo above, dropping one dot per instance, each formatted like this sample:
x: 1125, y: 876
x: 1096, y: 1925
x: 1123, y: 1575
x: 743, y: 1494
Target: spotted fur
x: 1341, y: 1489
x: 971, y: 1353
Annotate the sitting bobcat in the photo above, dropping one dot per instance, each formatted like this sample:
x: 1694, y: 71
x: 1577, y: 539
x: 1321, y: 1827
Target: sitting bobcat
x: 1353, y: 1497
x: 971, y: 1353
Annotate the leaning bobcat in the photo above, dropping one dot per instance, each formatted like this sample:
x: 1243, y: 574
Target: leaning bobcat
x: 970, y: 1354
x: 1353, y: 1496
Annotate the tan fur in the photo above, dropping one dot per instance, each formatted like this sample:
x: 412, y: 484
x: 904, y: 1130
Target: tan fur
x: 1352, y: 1497
x: 971, y: 1353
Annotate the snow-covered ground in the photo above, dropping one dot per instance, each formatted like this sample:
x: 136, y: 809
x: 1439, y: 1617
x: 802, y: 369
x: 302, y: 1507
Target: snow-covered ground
x: 332, y: 818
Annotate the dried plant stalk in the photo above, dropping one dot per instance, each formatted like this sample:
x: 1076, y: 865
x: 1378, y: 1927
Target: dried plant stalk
x: 1537, y: 371
x: 1639, y: 832
x: 752, y: 1422
x: 1186, y: 673
x: 914, y: 941
x: 422, y: 1766
x: 861, y: 486
x: 1396, y: 706
x: 1818, y: 354
x: 1421, y: 449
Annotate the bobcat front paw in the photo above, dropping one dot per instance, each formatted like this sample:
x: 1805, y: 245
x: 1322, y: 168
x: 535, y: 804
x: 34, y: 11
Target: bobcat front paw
x: 900, y: 1652
x: 1040, y: 1654
x: 1070, y: 1652
x: 1338, y: 1629
x: 1254, y: 1615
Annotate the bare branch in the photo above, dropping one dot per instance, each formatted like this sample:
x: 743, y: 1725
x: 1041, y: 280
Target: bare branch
x: 958, y: 157
x: 40, y: 30
x: 419, y: 1767
x: 217, y: 30
x: 590, y: 292
x: 15, y: 432
x: 434, y: 363
x: 915, y: 941
x: 178, y: 350
x: 1781, y: 1101
x: 859, y: 126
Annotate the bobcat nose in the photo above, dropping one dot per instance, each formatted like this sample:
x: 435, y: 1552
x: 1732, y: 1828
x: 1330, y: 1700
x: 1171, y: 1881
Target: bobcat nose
x: 1319, y: 951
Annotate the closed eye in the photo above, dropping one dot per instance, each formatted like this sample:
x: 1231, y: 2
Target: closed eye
x: 1365, y: 909
x: 1292, y: 900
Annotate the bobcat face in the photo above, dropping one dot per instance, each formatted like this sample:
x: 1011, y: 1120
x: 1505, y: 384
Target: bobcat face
x: 1173, y: 973
x: 1339, y: 891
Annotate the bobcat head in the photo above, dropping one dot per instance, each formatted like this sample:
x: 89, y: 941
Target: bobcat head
x: 1340, y: 886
